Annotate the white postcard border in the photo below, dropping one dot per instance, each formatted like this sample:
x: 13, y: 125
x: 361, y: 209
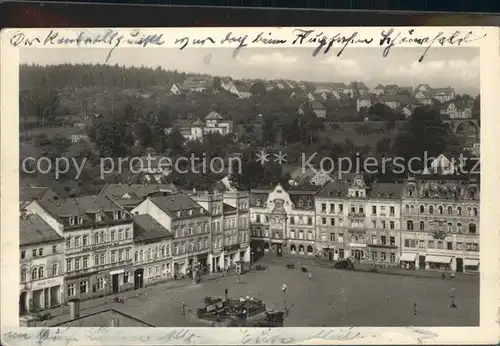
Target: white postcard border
x: 12, y: 334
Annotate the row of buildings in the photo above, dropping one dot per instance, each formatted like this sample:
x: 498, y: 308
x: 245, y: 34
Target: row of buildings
x: 134, y: 235
x: 125, y: 238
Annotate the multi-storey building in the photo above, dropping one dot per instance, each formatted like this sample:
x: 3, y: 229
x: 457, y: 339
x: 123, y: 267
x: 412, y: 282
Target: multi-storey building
x: 41, y: 262
x: 236, y: 204
x: 98, y: 236
x: 358, y: 221
x: 189, y: 223
x: 283, y: 221
x: 441, y: 223
x: 152, y: 251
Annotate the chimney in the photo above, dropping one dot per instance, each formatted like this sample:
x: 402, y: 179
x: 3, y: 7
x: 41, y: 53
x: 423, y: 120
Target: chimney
x: 74, y: 308
x: 114, y: 322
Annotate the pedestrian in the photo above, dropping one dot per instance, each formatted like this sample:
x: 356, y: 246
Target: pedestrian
x: 310, y: 274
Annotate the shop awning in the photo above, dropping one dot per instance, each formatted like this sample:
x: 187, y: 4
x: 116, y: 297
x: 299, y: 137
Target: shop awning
x: 471, y: 262
x: 408, y: 257
x: 438, y: 259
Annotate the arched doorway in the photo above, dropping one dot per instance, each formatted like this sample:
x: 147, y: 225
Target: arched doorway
x: 301, y: 249
x: 310, y: 251
x: 23, y: 298
x: 266, y: 247
x: 293, y: 249
x: 358, y: 254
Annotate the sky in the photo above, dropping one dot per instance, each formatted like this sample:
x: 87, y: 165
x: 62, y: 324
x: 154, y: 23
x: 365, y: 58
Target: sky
x: 457, y: 67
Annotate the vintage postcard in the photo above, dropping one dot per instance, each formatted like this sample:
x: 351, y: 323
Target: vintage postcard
x: 304, y: 185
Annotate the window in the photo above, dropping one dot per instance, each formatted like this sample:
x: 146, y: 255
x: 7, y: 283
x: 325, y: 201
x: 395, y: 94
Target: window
x: 407, y: 242
x: 472, y: 228
x: 393, y: 257
x: 127, y: 254
x: 459, y: 211
x: 383, y: 224
x: 409, y: 225
x: 258, y: 218
x: 79, y: 220
x: 96, y: 238
x: 391, y: 224
x: 332, y: 237
x: 41, y: 272
x: 167, y: 250
x: 459, y: 246
x: 125, y: 277
x: 353, y: 209
x: 361, y: 209
x: 374, y: 210
x: 96, y: 260
x: 120, y: 255
x: 71, y: 221
x: 103, y: 259
x: 54, y: 248
x: 332, y: 221
x: 391, y: 210
x: 98, y: 217
x: 440, y: 210
x: 440, y: 244
x: 323, y: 220
x: 309, y: 220
x: 332, y: 208
x: 115, y: 215
x: 383, y: 240
x: 77, y: 241
x: 68, y: 265
x: 392, y: 241
x: 84, y: 286
x: 341, y: 208
x: 301, y: 234
x: 127, y: 233
x: 431, y: 209
x: 100, y: 283
x: 430, y: 244
x: 122, y: 214
x: 23, y: 254
x: 24, y: 274
x: 449, y: 245
x: 157, y: 271
x: 113, y: 234
x: 77, y: 263
x: 421, y: 243
x: 323, y: 207
x: 459, y: 227
x: 374, y: 240
x: 71, y: 290
x: 85, y: 262
x: 374, y: 223
x: 113, y: 256
x: 450, y: 210
x: 309, y: 235
x: 136, y: 256
x: 34, y: 273
x: 150, y: 272
x: 374, y: 256
x: 475, y: 213
x: 120, y: 234
x: 383, y: 257
x: 34, y: 252
x: 422, y: 209
x: 176, y: 249
x: 407, y: 209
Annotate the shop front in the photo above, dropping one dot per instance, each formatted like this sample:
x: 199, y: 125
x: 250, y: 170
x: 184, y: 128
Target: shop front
x: 436, y: 262
x: 231, y: 255
x: 357, y: 251
x: 41, y: 294
x: 408, y: 260
x: 470, y: 265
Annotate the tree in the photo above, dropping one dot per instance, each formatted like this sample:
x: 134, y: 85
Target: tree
x: 380, y: 111
x: 143, y: 133
x: 383, y: 147
x: 40, y: 102
x: 424, y: 133
x: 173, y: 142
x: 110, y: 136
x: 216, y: 83
x: 258, y: 89
x: 476, y: 108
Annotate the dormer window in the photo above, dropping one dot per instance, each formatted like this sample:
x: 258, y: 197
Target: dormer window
x: 123, y: 215
x: 80, y: 220
x: 98, y: 217
x: 201, y: 210
x: 71, y: 221
x: 178, y: 213
x: 257, y: 202
x: 190, y: 211
x: 115, y: 215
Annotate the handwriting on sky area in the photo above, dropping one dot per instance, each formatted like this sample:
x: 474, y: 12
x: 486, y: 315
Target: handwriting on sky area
x: 66, y: 336
x: 323, y: 43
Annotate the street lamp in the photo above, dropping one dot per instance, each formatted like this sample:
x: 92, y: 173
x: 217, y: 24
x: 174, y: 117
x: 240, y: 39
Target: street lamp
x: 140, y: 283
x: 105, y: 283
x: 284, y: 288
x: 251, y: 259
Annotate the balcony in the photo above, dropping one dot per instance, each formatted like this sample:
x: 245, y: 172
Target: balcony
x: 385, y: 246
x: 356, y: 214
x: 230, y: 248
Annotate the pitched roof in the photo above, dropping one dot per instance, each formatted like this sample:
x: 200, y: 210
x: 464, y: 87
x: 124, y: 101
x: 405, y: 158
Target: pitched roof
x: 79, y: 206
x: 178, y: 203
x: 316, y: 105
x: 213, y: 115
x: 380, y: 86
x: 333, y: 189
x: 229, y: 209
x: 118, y: 191
x: 147, y: 228
x: 29, y: 193
x: 104, y: 318
x: 242, y: 87
x: 33, y: 230
x: 386, y: 190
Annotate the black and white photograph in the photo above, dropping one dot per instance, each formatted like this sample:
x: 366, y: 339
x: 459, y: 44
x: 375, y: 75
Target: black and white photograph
x: 256, y: 187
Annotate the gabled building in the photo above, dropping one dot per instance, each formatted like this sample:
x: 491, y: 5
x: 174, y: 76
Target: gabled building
x: 35, y: 193
x: 130, y: 196
x: 173, y: 89
x: 41, y: 265
x: 190, y: 224
x: 152, y: 251
x: 98, y: 236
x: 379, y: 89
x: 314, y: 106
x: 443, y: 94
x: 441, y: 223
x: 283, y: 221
x: 457, y: 109
x: 241, y: 90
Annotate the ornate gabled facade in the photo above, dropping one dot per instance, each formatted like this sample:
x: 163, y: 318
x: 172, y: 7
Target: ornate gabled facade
x: 441, y: 223
x: 283, y: 221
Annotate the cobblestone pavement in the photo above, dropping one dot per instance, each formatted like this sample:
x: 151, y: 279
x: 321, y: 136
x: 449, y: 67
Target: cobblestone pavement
x: 330, y: 298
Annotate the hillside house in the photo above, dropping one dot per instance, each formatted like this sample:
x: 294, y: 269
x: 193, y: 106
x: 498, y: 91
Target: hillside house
x: 457, y: 110
x: 423, y: 87
x: 315, y: 106
x: 363, y: 102
x: 174, y: 89
x: 391, y: 101
x: 443, y: 94
x: 241, y: 90
x: 379, y: 90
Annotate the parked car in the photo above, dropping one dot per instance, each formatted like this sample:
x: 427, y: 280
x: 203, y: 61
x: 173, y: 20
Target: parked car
x: 344, y: 264
x: 290, y: 265
x: 260, y: 267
